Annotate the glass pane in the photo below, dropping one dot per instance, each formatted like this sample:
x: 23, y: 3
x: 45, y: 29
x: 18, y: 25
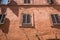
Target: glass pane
x: 28, y: 1
x: 3, y: 17
x: 28, y: 19
x: 24, y: 18
x: 54, y: 18
x: 25, y: 1
x: 50, y: 1
x: 0, y: 17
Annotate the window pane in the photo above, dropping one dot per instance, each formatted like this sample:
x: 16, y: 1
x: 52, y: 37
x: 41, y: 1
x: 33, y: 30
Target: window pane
x: 55, y: 18
x: 28, y: 19
x: 25, y: 1
x: 3, y: 17
x: 0, y: 17
x: 24, y: 18
x: 50, y: 1
x: 28, y: 1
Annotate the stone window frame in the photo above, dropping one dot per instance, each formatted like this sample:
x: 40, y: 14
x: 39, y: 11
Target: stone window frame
x: 55, y: 20
x: 29, y: 25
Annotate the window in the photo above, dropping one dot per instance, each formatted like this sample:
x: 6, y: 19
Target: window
x: 26, y: 1
x: 51, y: 1
x: 26, y: 20
x: 2, y: 17
x: 5, y: 2
x: 55, y: 19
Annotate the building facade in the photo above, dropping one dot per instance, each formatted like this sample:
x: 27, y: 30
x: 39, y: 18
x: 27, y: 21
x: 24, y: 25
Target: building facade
x: 30, y: 20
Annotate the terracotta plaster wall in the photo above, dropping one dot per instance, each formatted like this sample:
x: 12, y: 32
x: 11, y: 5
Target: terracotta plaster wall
x: 33, y: 2
x: 11, y: 29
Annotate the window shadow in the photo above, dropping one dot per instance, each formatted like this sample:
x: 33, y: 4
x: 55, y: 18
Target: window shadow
x: 57, y: 7
x: 14, y: 9
x: 3, y: 9
x: 12, y: 2
x: 53, y: 39
x: 56, y: 26
x: 13, y: 6
x: 5, y: 27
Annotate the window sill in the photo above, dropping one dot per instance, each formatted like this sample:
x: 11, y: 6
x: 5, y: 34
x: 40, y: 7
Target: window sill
x: 56, y: 24
x: 27, y: 26
x: 53, y: 39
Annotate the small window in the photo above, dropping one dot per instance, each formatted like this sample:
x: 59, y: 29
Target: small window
x: 2, y: 17
x: 26, y: 20
x: 26, y: 1
x: 55, y: 19
x: 51, y: 1
x: 5, y: 2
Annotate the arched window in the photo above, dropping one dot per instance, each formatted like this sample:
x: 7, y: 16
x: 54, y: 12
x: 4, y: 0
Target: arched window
x: 26, y: 18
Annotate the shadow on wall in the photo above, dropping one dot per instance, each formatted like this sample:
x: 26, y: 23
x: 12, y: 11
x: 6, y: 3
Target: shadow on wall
x: 53, y: 39
x: 57, y: 8
x: 5, y: 26
x: 14, y: 9
x: 56, y: 26
x: 3, y: 9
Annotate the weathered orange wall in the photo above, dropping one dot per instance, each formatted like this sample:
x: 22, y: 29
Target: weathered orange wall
x: 11, y: 29
x: 33, y: 2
